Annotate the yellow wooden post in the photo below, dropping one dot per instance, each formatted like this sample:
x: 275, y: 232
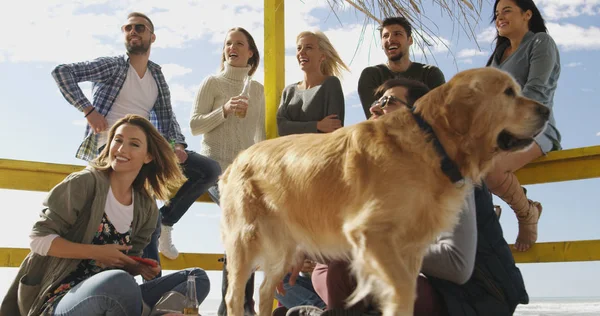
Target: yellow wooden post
x: 274, y: 59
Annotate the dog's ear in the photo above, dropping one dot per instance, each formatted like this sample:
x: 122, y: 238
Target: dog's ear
x: 456, y: 112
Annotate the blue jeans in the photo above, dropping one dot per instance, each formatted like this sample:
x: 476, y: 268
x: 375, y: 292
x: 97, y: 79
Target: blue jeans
x: 300, y: 294
x: 202, y: 173
x: 116, y: 293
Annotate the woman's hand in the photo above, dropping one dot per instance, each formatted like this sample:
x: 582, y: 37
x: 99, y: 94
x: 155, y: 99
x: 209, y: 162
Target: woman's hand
x: 308, y: 266
x: 329, y: 124
x: 235, y: 104
x: 146, y: 271
x: 112, y: 255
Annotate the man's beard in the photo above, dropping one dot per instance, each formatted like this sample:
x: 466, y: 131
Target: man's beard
x: 140, y: 49
x: 396, y: 57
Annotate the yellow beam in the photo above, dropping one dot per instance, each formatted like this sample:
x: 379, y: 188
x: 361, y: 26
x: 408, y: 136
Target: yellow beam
x: 274, y: 60
x: 12, y: 257
x: 566, y: 251
x: 40, y: 176
x: 564, y: 165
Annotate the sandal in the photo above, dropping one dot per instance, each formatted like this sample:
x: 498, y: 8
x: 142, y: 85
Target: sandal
x: 528, y: 230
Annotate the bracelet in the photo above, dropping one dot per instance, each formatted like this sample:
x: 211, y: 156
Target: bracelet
x: 88, y: 113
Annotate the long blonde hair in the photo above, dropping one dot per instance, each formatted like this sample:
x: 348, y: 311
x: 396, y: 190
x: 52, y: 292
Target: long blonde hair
x: 333, y: 63
x: 157, y: 177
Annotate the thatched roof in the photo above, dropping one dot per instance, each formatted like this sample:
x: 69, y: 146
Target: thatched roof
x: 465, y: 15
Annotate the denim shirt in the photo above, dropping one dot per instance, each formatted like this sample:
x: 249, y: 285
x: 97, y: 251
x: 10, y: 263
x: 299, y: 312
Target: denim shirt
x: 535, y: 65
x: 107, y: 75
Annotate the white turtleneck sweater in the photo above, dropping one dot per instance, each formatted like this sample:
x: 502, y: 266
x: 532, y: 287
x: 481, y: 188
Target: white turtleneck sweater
x: 224, y: 138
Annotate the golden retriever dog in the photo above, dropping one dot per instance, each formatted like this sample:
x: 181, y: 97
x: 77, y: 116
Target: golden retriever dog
x: 373, y: 192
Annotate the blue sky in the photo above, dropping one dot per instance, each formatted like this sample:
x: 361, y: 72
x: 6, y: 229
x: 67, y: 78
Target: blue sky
x: 38, y: 124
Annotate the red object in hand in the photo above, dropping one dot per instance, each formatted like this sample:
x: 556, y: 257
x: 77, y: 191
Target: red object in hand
x: 149, y: 262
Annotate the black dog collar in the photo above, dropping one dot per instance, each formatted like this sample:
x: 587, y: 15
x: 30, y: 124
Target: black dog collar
x: 448, y: 166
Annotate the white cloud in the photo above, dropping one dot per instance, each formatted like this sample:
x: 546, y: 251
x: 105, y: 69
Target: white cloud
x: 487, y: 35
x: 171, y: 71
x: 181, y: 93
x: 598, y: 134
x: 560, y: 9
x: 50, y: 31
x: 467, y: 61
x: 438, y: 45
x: 574, y: 64
x: 587, y: 90
x: 471, y: 52
x: 574, y: 37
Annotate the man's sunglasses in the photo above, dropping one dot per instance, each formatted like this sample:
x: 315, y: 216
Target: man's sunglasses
x: 385, y: 100
x: 139, y: 28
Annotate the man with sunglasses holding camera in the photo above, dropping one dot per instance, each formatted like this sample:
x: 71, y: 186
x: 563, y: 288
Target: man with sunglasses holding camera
x: 396, y: 39
x: 132, y: 84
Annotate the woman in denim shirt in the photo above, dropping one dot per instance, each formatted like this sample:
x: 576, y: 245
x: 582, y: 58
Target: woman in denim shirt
x: 526, y: 51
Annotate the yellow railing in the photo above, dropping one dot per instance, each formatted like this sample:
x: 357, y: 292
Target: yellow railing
x: 566, y: 165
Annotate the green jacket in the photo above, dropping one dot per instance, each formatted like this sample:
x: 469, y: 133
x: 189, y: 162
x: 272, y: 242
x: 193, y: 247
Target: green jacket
x: 73, y: 210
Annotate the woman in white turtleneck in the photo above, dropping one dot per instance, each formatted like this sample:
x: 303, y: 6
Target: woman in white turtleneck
x: 214, y: 117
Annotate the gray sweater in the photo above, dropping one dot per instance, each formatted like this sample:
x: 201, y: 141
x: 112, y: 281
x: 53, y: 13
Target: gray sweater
x: 536, y: 67
x: 452, y: 256
x: 300, y: 110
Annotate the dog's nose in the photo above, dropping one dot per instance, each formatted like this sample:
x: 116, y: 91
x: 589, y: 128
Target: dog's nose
x: 543, y: 111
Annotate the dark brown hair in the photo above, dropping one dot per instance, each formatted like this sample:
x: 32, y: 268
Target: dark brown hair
x: 143, y: 16
x: 158, y: 176
x: 254, y: 60
x: 416, y: 89
x: 398, y: 20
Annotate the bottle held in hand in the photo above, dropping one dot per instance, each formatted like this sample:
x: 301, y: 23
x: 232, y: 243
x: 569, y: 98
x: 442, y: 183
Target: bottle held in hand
x: 245, y: 93
x: 191, y: 301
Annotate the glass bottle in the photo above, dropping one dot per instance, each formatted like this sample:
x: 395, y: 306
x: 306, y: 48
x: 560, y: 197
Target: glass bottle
x: 191, y: 301
x: 245, y: 93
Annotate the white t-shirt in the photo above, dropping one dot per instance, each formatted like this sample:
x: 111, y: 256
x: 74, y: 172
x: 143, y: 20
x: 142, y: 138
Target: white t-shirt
x: 137, y: 96
x: 118, y: 214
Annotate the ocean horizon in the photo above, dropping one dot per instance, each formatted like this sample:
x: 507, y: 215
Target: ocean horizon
x: 538, y: 306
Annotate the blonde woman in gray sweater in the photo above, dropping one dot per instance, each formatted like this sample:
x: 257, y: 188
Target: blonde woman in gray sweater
x: 315, y: 104
x: 229, y: 121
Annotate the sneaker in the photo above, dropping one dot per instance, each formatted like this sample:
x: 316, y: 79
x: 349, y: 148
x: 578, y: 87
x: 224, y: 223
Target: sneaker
x: 165, y: 243
x: 305, y: 310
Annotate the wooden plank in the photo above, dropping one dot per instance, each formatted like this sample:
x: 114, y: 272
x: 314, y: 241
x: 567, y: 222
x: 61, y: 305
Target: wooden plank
x: 41, y: 176
x: 564, y: 165
x: 565, y: 251
x: 12, y: 257
x: 274, y: 61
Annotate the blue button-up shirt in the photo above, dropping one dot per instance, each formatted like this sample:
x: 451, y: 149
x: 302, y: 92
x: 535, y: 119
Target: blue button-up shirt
x: 107, y: 75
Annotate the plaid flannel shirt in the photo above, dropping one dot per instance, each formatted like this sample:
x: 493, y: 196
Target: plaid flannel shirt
x: 107, y: 75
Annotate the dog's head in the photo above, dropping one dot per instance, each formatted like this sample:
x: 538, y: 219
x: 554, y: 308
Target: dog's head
x: 480, y: 113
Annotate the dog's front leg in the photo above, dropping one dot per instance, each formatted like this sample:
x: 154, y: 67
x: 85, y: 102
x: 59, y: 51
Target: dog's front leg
x: 383, y: 270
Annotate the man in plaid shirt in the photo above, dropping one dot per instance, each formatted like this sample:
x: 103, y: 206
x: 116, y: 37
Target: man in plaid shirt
x: 132, y: 84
